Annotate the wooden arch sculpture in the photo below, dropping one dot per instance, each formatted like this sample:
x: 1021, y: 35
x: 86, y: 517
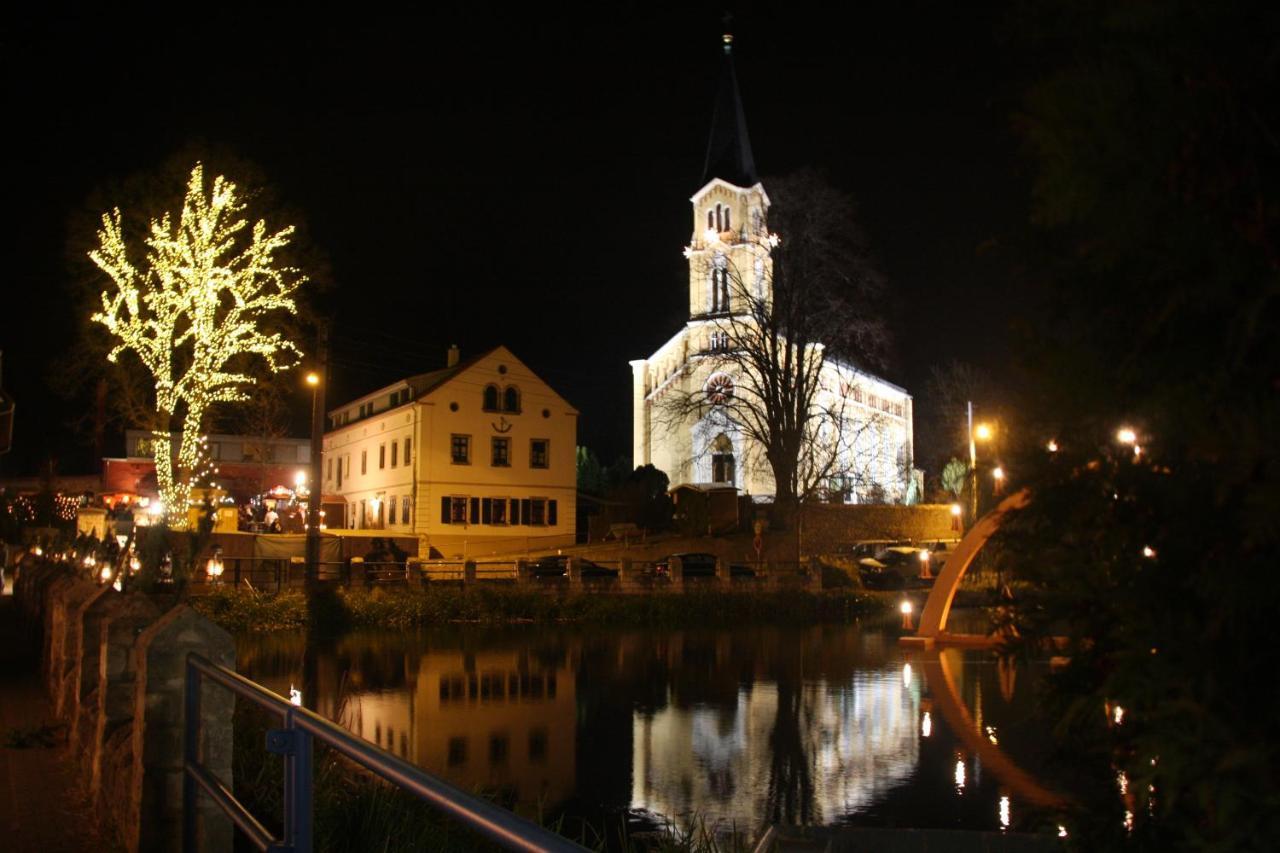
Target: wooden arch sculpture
x: 933, y: 619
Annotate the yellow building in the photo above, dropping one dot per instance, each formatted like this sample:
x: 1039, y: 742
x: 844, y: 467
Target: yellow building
x: 730, y: 273
x: 474, y: 459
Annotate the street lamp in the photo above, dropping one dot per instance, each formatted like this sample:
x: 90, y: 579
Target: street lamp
x: 981, y: 432
x: 317, y: 483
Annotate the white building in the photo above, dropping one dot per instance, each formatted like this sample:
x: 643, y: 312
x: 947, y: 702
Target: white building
x: 729, y: 263
x: 476, y: 458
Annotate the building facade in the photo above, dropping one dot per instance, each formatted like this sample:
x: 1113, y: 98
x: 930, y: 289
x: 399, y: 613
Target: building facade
x: 474, y: 459
x: 868, y: 445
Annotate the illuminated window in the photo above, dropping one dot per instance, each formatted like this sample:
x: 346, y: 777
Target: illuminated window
x: 539, y: 452
x: 491, y: 398
x: 501, y: 452
x: 460, y: 449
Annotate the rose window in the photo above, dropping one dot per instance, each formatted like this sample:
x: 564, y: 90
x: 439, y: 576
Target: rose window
x: 719, y: 389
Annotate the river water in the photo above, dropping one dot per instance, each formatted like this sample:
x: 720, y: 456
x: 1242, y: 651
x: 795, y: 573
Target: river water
x: 832, y: 724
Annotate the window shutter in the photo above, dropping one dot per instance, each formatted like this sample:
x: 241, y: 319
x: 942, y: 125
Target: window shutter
x: 551, y: 512
x: 486, y: 511
x: 525, y: 513
x: 444, y: 509
x: 475, y: 510
x: 515, y: 511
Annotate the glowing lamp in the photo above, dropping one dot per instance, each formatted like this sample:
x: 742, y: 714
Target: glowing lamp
x: 982, y: 432
x: 997, y: 472
x: 956, y: 510
x: 295, y: 696
x: 1052, y: 446
x: 905, y: 608
x: 1125, y: 435
x: 105, y: 574
x: 1148, y: 552
x: 313, y: 379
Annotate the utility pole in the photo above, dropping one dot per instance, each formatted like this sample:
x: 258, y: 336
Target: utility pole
x: 318, y: 379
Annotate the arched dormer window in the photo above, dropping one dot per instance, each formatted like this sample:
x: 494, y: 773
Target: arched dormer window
x: 511, y: 399
x: 491, y: 398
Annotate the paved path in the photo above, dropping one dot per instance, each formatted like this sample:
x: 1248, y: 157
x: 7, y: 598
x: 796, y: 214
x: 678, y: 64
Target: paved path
x: 41, y: 808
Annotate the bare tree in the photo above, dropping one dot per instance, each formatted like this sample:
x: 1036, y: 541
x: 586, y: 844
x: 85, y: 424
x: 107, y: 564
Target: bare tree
x: 783, y: 339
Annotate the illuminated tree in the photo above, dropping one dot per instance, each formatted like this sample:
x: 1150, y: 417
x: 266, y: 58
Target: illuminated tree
x: 196, y: 314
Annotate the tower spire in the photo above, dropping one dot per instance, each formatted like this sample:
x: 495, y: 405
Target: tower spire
x: 729, y: 147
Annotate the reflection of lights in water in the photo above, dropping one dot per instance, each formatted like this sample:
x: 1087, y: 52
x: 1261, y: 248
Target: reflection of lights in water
x: 959, y: 775
x: 859, y: 737
x: 1004, y: 813
x: 926, y: 725
x: 1128, y: 820
x: 906, y: 674
x: 1122, y: 781
x: 991, y: 736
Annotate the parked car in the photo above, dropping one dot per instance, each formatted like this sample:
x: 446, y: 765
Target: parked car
x: 557, y: 566
x: 700, y: 565
x: 895, y: 567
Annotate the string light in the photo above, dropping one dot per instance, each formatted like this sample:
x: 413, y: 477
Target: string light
x: 203, y: 297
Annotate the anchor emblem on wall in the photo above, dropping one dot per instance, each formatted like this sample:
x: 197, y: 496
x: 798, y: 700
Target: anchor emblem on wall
x: 503, y: 425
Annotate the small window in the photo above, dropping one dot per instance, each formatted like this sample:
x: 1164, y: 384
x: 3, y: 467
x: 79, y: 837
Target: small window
x: 498, y: 511
x: 395, y: 449
x: 408, y: 443
x: 728, y: 223
x: 364, y: 462
x: 491, y: 398
x: 501, y: 452
x: 329, y: 464
x: 382, y: 456
x: 457, y: 509
x: 511, y: 399
x: 711, y: 219
x: 391, y: 510
x: 460, y: 449
x: 404, y: 510
x: 539, y: 452
x: 538, y: 511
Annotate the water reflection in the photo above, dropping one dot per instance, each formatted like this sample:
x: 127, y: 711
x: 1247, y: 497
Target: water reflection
x: 818, y: 725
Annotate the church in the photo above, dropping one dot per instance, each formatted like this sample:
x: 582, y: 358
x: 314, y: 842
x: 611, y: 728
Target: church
x: 696, y: 400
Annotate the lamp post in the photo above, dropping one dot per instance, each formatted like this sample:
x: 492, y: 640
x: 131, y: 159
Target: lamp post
x: 980, y: 432
x: 317, y: 483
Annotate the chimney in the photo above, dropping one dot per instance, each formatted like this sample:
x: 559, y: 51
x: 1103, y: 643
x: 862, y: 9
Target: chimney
x: 453, y: 356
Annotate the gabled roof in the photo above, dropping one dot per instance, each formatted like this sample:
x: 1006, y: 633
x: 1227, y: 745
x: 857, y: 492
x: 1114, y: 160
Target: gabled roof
x: 729, y: 147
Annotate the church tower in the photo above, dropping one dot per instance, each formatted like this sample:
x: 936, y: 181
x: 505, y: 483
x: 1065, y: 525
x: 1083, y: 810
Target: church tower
x: 727, y: 250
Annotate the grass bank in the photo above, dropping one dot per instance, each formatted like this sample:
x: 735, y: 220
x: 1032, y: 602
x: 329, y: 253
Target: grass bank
x: 245, y: 611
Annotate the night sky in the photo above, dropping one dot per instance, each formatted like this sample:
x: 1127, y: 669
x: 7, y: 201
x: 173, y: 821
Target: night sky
x: 488, y: 177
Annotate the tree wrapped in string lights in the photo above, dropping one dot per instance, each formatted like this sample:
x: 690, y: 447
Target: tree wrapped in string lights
x: 196, y: 313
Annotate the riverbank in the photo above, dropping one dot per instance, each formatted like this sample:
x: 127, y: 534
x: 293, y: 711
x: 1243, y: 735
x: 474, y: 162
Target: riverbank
x: 245, y: 611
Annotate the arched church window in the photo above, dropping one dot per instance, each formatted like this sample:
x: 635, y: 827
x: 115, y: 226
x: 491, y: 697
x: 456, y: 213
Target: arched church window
x: 711, y: 219
x: 491, y: 398
x: 511, y: 399
x: 722, y: 467
x: 718, y: 219
x: 728, y: 225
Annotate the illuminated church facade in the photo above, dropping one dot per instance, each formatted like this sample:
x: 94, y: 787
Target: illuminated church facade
x: 729, y: 273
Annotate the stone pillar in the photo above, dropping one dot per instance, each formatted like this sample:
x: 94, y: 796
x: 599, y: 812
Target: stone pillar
x: 65, y: 649
x: 108, y: 717
x: 82, y: 677
x: 469, y: 572
x: 161, y: 659
x: 359, y: 574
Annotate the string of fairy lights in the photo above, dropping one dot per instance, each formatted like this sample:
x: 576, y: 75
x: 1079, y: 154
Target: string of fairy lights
x: 202, y: 297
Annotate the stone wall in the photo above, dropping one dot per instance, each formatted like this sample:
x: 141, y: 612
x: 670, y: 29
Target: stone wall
x: 828, y: 527
x: 114, y: 666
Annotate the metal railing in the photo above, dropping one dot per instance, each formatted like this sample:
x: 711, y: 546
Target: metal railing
x: 294, y: 741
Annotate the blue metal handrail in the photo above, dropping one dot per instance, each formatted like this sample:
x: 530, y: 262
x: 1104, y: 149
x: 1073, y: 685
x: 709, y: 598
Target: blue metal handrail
x: 294, y: 742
